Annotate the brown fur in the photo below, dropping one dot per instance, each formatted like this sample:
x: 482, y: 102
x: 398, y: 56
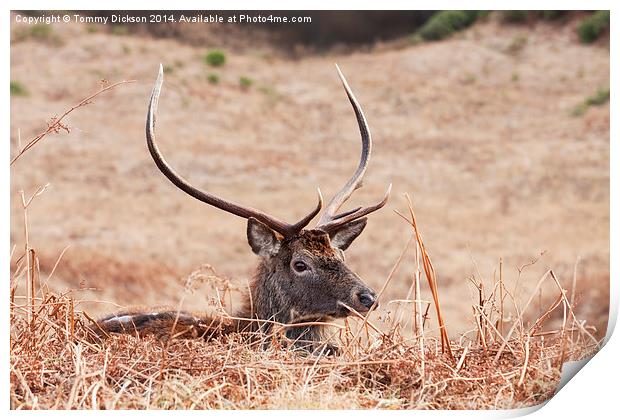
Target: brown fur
x: 278, y: 293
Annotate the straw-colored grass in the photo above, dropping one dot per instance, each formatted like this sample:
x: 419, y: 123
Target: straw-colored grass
x: 57, y: 362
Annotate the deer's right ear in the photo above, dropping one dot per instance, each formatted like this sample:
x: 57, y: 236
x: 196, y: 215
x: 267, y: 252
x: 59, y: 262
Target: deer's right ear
x: 347, y: 233
x: 262, y: 239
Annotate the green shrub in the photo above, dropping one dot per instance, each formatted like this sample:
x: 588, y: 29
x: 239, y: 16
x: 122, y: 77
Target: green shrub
x: 593, y: 26
x: 17, y: 89
x: 213, y: 78
x: 579, y: 110
x: 245, y: 82
x: 599, y: 98
x: 271, y: 93
x: 41, y: 31
x: 215, y: 58
x: 472, y: 15
x: 119, y: 30
x: 445, y: 23
x: 515, y: 16
x: 416, y: 39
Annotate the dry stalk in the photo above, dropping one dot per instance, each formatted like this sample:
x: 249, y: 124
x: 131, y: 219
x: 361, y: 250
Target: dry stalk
x: 481, y: 305
x: 29, y: 252
x: 574, y: 286
x: 519, y: 317
x: 570, y: 309
x: 32, y: 274
x: 419, y: 321
x: 431, y: 277
x: 363, y: 318
x: 486, y: 320
x: 541, y: 319
x: 416, y: 307
x: 56, y: 124
x: 481, y: 338
x: 525, y: 363
x: 461, y: 362
x: 501, y: 297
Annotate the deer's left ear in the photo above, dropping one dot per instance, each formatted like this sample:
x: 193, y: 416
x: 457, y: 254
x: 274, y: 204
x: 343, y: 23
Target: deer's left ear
x: 262, y: 239
x: 346, y: 234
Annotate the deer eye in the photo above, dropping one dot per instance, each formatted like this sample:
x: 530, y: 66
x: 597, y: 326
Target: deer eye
x: 300, y: 266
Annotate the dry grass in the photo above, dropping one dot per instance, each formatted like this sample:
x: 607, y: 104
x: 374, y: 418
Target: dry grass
x: 58, y: 371
x: 57, y: 362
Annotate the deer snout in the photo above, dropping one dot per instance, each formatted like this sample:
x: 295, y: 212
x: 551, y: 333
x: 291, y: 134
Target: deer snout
x: 367, y: 299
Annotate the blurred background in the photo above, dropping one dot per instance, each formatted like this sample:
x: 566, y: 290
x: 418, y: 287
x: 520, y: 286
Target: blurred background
x: 496, y: 124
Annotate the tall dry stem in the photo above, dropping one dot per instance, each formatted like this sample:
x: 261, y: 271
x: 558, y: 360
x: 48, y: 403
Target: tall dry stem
x: 431, y: 277
x: 56, y: 124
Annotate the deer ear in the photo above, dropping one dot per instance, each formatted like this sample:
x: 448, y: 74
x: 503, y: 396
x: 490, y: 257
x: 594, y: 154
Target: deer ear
x: 262, y: 239
x: 346, y: 234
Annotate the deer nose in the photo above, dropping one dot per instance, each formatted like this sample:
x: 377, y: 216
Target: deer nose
x: 366, y: 299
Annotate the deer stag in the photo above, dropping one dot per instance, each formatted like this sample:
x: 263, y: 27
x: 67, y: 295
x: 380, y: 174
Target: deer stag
x: 301, y: 276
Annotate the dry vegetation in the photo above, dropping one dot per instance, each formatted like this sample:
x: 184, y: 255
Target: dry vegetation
x: 508, y: 182
x: 60, y: 371
x: 507, y: 362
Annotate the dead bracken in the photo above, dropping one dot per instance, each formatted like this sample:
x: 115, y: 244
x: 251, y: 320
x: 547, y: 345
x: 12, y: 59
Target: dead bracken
x: 57, y: 362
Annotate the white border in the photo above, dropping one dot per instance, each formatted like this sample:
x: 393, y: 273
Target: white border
x: 592, y: 393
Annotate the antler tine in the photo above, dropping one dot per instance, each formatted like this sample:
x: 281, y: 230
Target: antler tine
x: 358, y: 213
x: 281, y: 227
x: 329, y: 219
x: 356, y: 180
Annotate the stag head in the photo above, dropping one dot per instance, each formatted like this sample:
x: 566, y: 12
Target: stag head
x: 305, y: 278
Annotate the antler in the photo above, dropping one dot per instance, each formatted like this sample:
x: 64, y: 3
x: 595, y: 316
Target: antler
x: 279, y: 226
x: 329, y: 219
